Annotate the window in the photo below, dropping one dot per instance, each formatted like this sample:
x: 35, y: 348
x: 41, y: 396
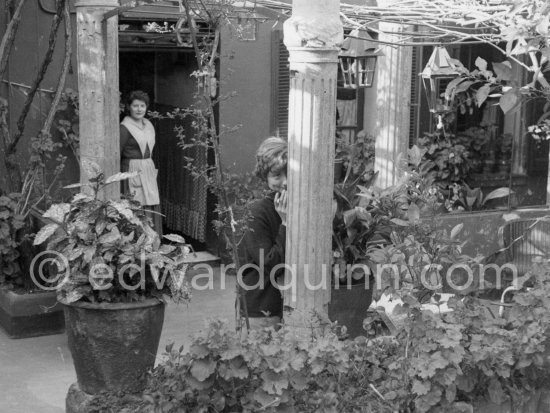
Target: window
x: 498, y: 152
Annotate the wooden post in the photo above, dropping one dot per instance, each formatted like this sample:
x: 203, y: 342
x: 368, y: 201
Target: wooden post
x: 312, y: 35
x: 393, y: 109
x: 97, y: 54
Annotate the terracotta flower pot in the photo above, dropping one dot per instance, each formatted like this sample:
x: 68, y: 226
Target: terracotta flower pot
x: 113, y: 345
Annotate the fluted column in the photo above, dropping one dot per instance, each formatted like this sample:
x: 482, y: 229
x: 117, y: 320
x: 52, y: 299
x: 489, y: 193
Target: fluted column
x: 97, y: 54
x: 393, y: 105
x: 312, y: 36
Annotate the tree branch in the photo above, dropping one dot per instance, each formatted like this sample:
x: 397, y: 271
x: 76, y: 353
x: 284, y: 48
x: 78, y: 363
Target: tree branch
x: 9, y: 36
x: 40, y: 76
x: 65, y: 69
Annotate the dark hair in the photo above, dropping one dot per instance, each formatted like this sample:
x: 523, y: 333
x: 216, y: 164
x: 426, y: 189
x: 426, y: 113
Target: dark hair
x: 138, y: 95
x: 271, y: 157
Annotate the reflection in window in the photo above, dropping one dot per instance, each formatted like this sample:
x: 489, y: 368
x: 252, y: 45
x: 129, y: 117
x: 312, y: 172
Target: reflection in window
x: 484, y: 150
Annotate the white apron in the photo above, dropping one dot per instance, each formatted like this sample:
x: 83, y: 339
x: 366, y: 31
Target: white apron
x: 144, y: 186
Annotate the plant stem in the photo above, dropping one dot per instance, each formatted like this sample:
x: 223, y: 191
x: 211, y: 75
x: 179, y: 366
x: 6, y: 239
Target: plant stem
x: 213, y: 138
x: 12, y: 147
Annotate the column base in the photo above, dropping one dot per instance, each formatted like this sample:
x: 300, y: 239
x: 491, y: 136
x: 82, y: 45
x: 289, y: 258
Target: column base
x: 78, y: 401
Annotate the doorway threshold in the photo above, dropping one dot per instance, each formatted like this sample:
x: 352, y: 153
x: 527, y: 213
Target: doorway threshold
x: 200, y: 257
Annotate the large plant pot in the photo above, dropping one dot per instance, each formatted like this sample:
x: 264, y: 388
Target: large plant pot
x: 113, y: 345
x: 30, y: 314
x: 349, y: 307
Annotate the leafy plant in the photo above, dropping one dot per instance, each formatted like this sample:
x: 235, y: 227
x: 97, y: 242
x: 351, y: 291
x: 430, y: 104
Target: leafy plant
x: 473, y: 199
x: 263, y: 371
x: 447, y: 159
x: 107, y: 250
x: 357, y: 157
x: 11, y: 224
x: 436, y: 361
x: 478, y: 142
x: 67, y: 121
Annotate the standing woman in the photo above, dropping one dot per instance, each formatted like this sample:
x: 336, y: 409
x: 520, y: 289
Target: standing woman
x: 137, y: 140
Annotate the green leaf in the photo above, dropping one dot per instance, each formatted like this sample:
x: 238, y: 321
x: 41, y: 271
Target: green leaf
x: 264, y: 399
x: 421, y: 387
x: 77, y: 185
x: 73, y: 296
x: 542, y: 26
x: 399, y: 222
x: 45, y: 232
x: 464, y: 86
x: 462, y: 407
x: 481, y: 64
x: 238, y: 368
x: 166, y: 249
x: 57, y: 212
x: 299, y: 381
x: 496, y: 393
x: 413, y: 213
x: 508, y: 100
x: 175, y: 238
x: 110, y: 237
x: 121, y: 176
x: 92, y: 169
x: 456, y: 230
x: 482, y: 93
x: 273, y: 383
x: 416, y: 155
x: 203, y: 368
x: 498, y: 193
x: 503, y: 70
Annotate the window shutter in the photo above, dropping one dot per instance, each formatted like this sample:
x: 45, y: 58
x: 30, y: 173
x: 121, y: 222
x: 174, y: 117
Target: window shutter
x: 415, y: 95
x: 280, y: 85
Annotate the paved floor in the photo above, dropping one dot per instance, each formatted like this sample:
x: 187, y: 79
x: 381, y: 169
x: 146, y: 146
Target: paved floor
x: 35, y: 373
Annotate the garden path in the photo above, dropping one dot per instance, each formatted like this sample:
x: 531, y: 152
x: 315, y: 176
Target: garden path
x: 35, y: 373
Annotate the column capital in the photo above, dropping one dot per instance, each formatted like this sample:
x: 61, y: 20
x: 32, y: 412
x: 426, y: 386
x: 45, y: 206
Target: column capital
x: 313, y: 55
x: 314, y: 24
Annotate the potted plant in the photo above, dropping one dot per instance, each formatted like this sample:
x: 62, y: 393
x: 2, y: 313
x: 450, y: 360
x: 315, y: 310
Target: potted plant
x: 363, y: 221
x: 113, y: 275
x: 447, y: 157
x: 25, y: 309
x: 476, y: 139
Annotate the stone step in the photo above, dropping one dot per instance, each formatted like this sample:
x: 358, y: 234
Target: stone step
x: 202, y: 257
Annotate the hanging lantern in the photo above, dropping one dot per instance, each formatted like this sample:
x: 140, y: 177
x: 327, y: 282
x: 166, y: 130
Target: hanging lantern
x: 358, y: 60
x: 437, y: 74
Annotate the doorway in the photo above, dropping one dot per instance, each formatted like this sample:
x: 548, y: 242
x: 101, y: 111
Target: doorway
x: 166, y: 77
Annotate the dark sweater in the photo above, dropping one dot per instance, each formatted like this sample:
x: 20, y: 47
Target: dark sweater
x: 266, y: 233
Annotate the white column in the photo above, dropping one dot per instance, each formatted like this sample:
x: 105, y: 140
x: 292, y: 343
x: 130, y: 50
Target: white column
x: 312, y: 35
x: 97, y: 55
x: 392, y: 106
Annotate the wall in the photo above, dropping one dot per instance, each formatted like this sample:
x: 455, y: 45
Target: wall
x: 245, y: 68
x: 174, y: 85
x: 27, y: 53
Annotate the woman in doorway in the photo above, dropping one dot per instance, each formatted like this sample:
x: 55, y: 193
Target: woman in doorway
x: 137, y: 140
x: 264, y: 241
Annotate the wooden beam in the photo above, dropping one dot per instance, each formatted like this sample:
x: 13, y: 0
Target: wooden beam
x: 97, y: 53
